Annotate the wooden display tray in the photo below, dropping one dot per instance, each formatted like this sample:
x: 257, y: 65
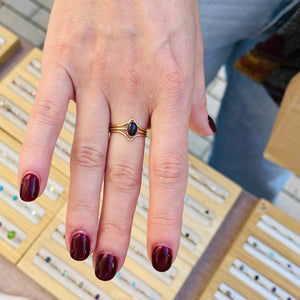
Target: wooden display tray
x: 52, y: 207
x: 19, y: 134
x: 220, y: 210
x: 206, y: 233
x: 54, y: 287
x: 35, y: 53
x: 21, y: 71
x: 11, y: 44
x: 139, y: 233
x: 222, y: 274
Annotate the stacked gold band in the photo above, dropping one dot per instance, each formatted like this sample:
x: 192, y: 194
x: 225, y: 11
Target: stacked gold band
x: 129, y: 129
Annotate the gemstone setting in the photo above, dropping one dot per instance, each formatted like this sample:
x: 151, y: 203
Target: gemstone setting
x: 11, y: 235
x: 132, y: 128
x: 129, y: 129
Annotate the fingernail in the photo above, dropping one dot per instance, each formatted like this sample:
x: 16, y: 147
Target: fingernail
x: 80, y: 246
x: 212, y: 125
x: 161, y: 258
x: 30, y: 187
x: 106, y: 267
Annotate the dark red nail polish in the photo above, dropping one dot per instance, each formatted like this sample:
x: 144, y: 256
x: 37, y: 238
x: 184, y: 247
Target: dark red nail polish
x: 161, y: 258
x: 106, y: 267
x: 30, y: 187
x: 80, y: 246
x: 212, y: 125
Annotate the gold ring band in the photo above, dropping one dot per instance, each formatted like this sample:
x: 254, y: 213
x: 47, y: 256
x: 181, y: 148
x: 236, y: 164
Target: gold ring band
x: 129, y: 129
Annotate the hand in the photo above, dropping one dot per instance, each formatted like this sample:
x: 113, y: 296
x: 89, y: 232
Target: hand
x: 119, y: 60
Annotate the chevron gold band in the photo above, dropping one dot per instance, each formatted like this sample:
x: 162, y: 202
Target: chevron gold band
x: 129, y: 129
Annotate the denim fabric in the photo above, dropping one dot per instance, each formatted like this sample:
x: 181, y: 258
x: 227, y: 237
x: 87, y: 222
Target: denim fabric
x: 230, y: 29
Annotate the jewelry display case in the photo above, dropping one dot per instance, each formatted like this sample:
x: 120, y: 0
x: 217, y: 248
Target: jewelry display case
x: 22, y: 222
x: 9, y: 43
x: 49, y: 263
x: 17, y: 95
x: 209, y: 198
x: 263, y: 262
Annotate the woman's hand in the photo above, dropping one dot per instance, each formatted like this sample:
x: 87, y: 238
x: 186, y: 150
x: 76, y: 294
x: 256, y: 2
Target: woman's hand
x: 119, y: 60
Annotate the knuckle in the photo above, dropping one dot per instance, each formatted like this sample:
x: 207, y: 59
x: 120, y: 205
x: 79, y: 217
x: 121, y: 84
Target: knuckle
x: 81, y: 207
x: 56, y: 54
x: 88, y: 155
x: 115, y: 228
x: 175, y: 82
x: 132, y: 81
x: 173, y: 79
x: 123, y: 177
x: 47, y: 113
x: 39, y: 149
x: 167, y: 219
x: 169, y: 171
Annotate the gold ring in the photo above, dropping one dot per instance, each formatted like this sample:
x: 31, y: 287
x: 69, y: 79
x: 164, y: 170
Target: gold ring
x: 129, y: 129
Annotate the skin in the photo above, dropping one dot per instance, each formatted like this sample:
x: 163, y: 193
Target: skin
x: 119, y: 60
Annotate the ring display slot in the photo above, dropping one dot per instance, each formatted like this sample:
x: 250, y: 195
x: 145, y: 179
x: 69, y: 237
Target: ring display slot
x: 53, y: 189
x: 138, y: 253
x: 130, y: 284
x: 70, y: 122
x: 67, y: 277
x: 273, y: 259
x: 145, y: 176
x: 134, y: 287
x: 28, y: 92
x: 59, y: 234
x: 34, y: 67
x: 9, y: 159
x: 10, y: 233
x: 147, y: 145
x: 284, y: 230
x: 189, y: 238
x: 2, y: 40
x: 207, y: 186
x: 20, y: 119
x: 225, y: 292
x: 63, y: 150
x: 23, y: 89
x: 197, y: 211
x: 279, y: 232
x: 13, y: 113
x: 135, y: 252
x: 10, y: 195
x: 258, y: 282
x: 142, y: 206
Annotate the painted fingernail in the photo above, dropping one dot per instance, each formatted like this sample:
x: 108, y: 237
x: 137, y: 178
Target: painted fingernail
x: 30, y: 187
x: 161, y: 258
x: 80, y: 246
x: 212, y: 125
x: 106, y: 267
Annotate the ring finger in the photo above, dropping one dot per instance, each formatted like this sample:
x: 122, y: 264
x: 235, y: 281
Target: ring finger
x: 121, y: 190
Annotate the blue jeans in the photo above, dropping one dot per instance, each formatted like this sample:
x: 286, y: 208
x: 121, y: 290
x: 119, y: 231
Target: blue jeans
x: 247, y: 114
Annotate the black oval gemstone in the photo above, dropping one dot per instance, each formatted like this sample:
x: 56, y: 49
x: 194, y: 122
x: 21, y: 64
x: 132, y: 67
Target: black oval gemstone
x: 132, y: 128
